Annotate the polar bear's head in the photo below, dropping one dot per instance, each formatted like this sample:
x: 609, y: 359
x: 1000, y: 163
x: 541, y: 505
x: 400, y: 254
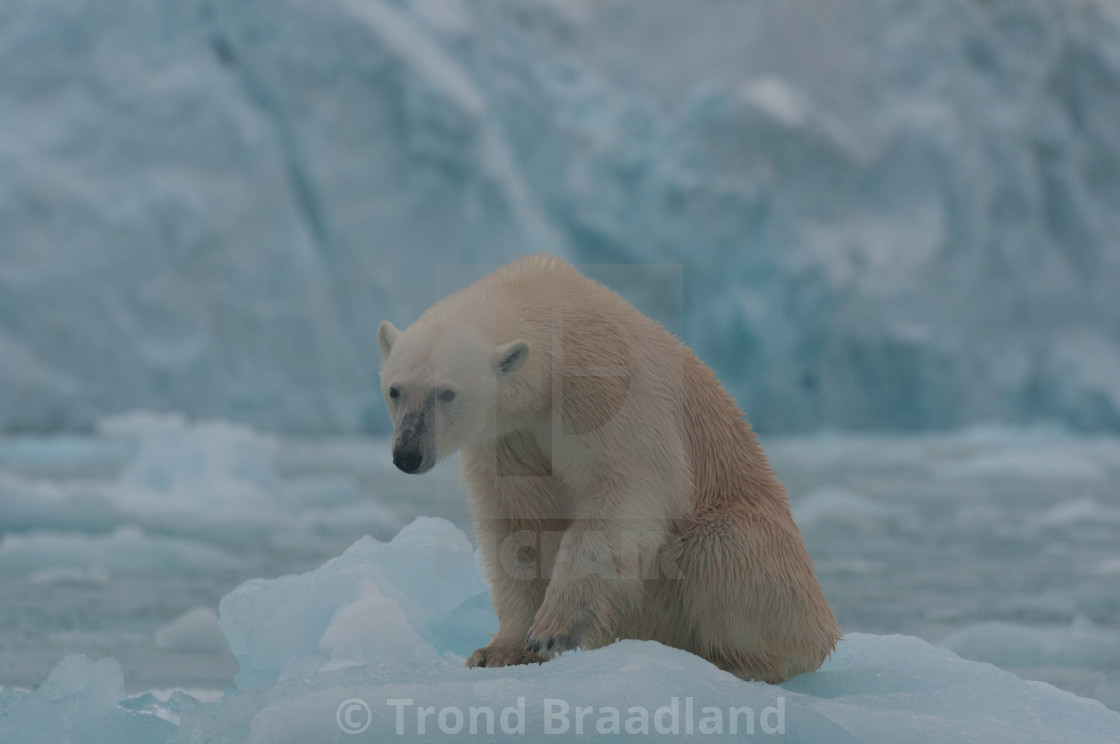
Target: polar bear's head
x: 441, y: 384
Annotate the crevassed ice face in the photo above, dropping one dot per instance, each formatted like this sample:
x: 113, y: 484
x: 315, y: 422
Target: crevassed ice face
x: 440, y: 385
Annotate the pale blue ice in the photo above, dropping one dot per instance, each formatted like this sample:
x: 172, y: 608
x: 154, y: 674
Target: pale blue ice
x: 885, y: 213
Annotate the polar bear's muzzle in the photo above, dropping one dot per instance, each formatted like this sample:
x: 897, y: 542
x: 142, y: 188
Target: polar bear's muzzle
x: 412, y: 452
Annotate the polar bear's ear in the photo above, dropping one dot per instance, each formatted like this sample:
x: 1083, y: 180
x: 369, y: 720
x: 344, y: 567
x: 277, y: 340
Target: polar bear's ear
x: 511, y: 356
x: 387, y: 334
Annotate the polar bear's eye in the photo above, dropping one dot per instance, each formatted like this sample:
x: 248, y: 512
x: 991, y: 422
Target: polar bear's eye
x: 447, y: 396
x: 394, y: 392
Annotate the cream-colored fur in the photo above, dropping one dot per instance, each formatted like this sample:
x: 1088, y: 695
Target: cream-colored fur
x: 616, y: 488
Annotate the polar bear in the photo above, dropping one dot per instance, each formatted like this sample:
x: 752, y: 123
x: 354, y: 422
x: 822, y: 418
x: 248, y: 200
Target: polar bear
x: 617, y: 490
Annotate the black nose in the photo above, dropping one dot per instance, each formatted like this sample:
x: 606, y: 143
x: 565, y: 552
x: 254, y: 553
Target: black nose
x: 409, y: 462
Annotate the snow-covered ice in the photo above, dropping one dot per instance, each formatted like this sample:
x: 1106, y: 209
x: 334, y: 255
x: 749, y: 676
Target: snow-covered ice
x: 362, y: 645
x: 887, y: 689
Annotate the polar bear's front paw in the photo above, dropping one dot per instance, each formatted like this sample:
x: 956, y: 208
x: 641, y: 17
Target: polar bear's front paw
x: 550, y: 645
x: 494, y: 656
x: 549, y: 638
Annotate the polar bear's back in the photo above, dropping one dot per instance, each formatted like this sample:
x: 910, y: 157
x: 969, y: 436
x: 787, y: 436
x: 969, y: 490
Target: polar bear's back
x: 622, y: 377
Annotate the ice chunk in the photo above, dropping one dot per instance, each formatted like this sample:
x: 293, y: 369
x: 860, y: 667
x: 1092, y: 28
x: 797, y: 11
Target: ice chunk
x: 372, y: 630
x: 899, y: 688
x: 377, y: 603
x: 875, y: 690
x: 195, y: 630
x: 80, y: 702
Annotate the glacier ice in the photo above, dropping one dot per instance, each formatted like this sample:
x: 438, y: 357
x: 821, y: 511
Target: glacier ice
x: 376, y: 636
x: 887, y: 214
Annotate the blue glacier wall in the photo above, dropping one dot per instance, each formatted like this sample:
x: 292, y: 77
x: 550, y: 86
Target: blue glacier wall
x: 887, y: 214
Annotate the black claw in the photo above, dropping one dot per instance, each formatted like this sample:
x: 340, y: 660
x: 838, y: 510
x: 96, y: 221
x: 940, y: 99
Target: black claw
x: 482, y: 663
x: 550, y: 642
